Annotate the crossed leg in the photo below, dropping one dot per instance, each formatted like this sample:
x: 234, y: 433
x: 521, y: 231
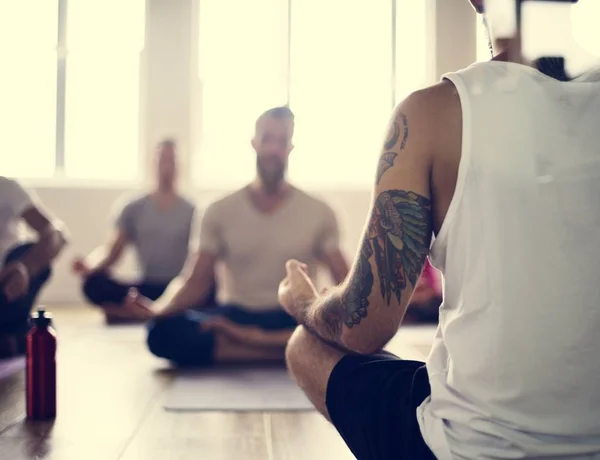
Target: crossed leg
x: 311, y: 361
x: 371, y: 400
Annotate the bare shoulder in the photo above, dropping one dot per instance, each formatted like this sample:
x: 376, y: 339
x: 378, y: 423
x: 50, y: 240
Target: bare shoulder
x: 433, y: 107
x: 435, y: 118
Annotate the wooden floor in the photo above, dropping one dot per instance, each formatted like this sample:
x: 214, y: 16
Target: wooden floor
x: 110, y: 395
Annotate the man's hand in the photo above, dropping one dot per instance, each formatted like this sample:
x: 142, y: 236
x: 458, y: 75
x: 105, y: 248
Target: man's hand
x: 297, y: 290
x: 81, y: 268
x: 250, y: 335
x: 14, y: 280
x: 137, y: 306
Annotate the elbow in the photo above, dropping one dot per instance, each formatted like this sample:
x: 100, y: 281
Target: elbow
x: 59, y: 236
x: 53, y: 241
x: 62, y: 240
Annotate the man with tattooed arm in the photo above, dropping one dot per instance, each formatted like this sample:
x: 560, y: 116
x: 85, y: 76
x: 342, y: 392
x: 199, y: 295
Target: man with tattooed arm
x: 501, y: 163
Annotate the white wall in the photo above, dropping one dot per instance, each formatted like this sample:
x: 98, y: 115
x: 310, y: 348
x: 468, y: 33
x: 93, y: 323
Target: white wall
x: 168, y: 90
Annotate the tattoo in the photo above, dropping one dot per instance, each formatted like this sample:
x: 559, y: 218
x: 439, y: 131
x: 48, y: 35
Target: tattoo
x: 356, y: 300
x: 386, y: 161
x: 396, y: 242
x: 400, y: 233
x: 393, y: 140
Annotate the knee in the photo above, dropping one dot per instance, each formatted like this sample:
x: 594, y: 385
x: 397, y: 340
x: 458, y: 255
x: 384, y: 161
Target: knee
x: 163, y: 334
x: 297, y: 350
x: 179, y: 340
x: 158, y: 337
x: 44, y: 276
x: 92, y: 287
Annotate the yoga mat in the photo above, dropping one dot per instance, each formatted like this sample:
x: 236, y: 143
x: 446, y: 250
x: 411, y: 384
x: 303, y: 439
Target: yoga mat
x: 418, y: 335
x: 11, y: 366
x: 239, y: 390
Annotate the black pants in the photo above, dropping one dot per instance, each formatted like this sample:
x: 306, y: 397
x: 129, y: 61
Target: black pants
x: 100, y: 289
x: 180, y: 340
x: 372, y: 401
x: 14, y: 315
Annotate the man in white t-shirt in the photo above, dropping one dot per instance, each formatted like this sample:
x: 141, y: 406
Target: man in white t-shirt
x: 24, y: 266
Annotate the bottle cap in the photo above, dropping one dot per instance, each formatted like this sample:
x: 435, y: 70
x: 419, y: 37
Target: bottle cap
x: 41, y: 317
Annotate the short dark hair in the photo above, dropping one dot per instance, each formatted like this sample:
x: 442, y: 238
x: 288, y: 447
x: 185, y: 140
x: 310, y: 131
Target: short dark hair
x: 283, y: 112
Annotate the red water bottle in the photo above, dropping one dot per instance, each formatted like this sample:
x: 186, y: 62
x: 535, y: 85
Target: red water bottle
x: 40, y: 387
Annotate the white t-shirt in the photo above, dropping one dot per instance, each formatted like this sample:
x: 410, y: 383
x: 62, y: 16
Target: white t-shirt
x: 14, y: 201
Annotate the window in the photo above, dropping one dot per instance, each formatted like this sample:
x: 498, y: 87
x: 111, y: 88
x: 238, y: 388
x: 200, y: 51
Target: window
x: 28, y: 87
x: 104, y: 42
x: 242, y: 69
x: 583, y: 16
x: 341, y: 65
x: 70, y: 102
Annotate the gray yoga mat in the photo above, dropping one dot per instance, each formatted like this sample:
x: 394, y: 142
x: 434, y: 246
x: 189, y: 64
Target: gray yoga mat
x: 239, y: 390
x: 11, y: 366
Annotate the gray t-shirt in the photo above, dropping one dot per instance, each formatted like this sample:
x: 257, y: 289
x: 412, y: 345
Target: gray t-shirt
x: 254, y: 247
x: 161, y: 238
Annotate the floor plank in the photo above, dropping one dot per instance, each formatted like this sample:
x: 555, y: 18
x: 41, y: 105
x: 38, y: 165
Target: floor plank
x: 12, y: 396
x: 235, y: 447
x: 18, y: 448
x: 305, y: 436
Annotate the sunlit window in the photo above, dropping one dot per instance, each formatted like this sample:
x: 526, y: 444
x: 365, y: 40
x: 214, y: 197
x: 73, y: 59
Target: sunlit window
x: 82, y: 122
x: 28, y: 87
x: 341, y: 65
x: 102, y: 88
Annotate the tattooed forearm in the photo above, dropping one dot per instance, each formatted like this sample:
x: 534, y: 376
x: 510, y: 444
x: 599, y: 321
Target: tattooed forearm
x: 396, y: 243
x: 386, y: 161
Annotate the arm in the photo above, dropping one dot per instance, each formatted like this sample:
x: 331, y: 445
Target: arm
x: 189, y: 290
x: 364, y: 313
x: 51, y: 240
x: 107, y: 258
x: 193, y: 285
x: 328, y: 247
x: 337, y: 264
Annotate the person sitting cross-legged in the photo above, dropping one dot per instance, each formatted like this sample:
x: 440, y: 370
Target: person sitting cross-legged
x: 158, y: 225
x: 251, y: 233
x: 501, y: 162
x: 25, y: 266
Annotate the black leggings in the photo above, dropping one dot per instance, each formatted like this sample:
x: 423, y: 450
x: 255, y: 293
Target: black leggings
x: 180, y: 340
x: 100, y: 289
x: 14, y: 316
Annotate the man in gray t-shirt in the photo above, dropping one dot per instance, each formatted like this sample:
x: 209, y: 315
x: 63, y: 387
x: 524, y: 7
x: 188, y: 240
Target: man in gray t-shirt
x: 158, y: 226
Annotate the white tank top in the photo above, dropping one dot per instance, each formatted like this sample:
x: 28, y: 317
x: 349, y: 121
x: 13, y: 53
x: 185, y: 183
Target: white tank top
x: 515, y: 367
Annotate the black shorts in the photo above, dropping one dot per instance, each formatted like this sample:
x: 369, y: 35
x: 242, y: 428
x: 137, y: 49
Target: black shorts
x: 372, y: 402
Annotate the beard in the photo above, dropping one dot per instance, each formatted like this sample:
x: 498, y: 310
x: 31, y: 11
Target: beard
x: 271, y: 172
